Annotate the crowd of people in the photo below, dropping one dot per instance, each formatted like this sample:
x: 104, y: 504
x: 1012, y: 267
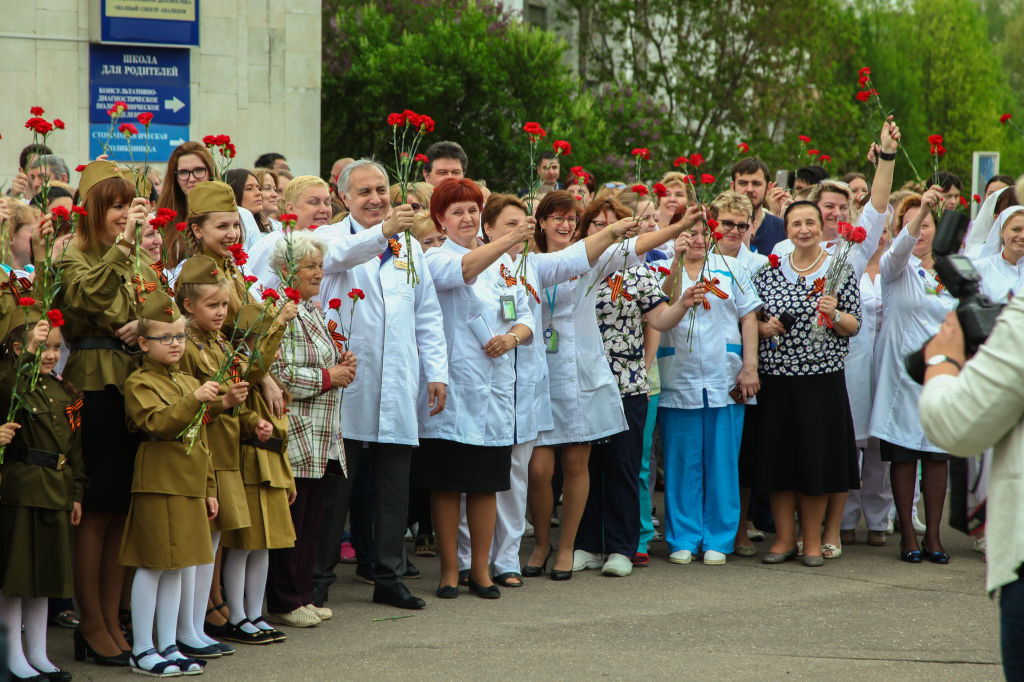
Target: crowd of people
x: 245, y: 378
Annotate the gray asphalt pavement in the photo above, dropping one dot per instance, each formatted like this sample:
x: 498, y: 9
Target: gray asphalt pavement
x: 865, y: 616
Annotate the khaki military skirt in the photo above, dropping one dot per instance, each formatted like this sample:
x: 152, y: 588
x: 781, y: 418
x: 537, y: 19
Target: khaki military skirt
x: 35, y: 552
x: 271, y: 526
x: 234, y: 511
x: 165, y: 532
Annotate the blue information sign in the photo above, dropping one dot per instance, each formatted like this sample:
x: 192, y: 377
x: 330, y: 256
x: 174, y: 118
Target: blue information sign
x: 162, y: 140
x: 168, y: 22
x: 153, y: 79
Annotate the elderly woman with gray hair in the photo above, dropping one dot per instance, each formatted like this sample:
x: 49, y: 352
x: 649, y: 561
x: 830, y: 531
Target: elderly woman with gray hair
x: 312, y: 367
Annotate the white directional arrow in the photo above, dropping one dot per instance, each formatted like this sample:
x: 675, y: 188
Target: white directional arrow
x: 174, y: 104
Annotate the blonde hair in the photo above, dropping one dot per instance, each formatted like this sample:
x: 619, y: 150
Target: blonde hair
x: 420, y: 190
x: 675, y: 178
x: 294, y: 190
x: 193, y: 291
x: 422, y: 225
x: 733, y: 202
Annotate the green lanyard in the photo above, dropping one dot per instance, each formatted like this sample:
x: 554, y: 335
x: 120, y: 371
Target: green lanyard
x: 551, y: 298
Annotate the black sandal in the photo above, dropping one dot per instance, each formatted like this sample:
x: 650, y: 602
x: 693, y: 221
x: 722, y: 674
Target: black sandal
x: 158, y: 669
x: 504, y: 578
x: 235, y: 633
x: 275, y: 634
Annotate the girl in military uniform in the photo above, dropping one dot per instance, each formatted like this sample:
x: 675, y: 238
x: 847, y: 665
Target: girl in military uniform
x: 104, y: 280
x: 202, y: 292
x: 269, y: 490
x: 173, y: 489
x: 40, y: 497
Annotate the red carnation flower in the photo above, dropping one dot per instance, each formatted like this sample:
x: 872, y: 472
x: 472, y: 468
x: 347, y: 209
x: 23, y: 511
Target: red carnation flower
x: 26, y: 301
x: 286, y: 218
x: 270, y: 293
x: 180, y: 227
x: 707, y: 179
x: 864, y: 71
x: 863, y: 96
x: 426, y: 124
x: 717, y: 235
x: 696, y: 160
x: 712, y: 223
x: 934, y: 139
x: 805, y: 139
x: 312, y: 227
x: 249, y: 279
x: 39, y: 126
x: 813, y: 152
x: 1005, y: 118
x: 659, y: 190
x: 976, y: 198
x: 773, y: 260
x: 639, y: 190
x: 642, y: 153
x: 56, y: 318
x: 238, y: 254
x: 395, y: 120
x: 145, y: 118
x: 421, y: 158
x: 168, y: 213
x: 533, y: 129
x: 561, y: 147
x: 662, y: 270
x: 744, y: 147
x: 37, y: 111
x: 127, y: 129
x: 824, y: 158
x: 60, y: 212
x: 79, y: 168
x: 844, y: 229
x: 963, y: 202
x: 334, y: 303
x: 58, y: 124
x: 858, y: 235
x: 356, y: 293
x: 680, y: 161
x: 79, y: 210
x: 292, y: 294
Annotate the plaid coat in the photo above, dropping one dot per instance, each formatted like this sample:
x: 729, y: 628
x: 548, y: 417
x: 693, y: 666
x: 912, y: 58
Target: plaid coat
x: 314, y: 415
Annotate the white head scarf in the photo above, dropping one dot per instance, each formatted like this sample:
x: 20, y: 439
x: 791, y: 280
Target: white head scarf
x: 994, y: 243
x: 979, y: 230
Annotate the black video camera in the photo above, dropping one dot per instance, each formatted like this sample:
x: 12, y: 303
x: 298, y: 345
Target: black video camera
x: 976, y: 312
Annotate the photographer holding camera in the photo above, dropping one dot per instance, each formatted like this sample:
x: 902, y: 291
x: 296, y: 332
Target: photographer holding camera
x: 965, y: 409
x: 914, y: 303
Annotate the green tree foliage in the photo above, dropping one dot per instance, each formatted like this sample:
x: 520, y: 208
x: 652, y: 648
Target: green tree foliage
x: 474, y: 68
x: 677, y: 77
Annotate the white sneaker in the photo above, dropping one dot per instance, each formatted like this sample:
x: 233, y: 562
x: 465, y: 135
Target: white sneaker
x: 528, y: 533
x: 891, y: 528
x: 919, y: 526
x: 618, y: 564
x: 582, y: 560
x: 712, y: 558
x: 979, y: 545
x: 683, y: 556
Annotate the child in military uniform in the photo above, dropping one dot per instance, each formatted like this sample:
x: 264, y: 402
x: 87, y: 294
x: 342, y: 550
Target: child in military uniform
x: 40, y: 495
x: 173, y: 489
x: 202, y: 292
x: 269, y: 490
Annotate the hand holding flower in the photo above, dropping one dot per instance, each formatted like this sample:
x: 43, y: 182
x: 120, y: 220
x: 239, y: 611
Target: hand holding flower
x: 236, y: 395
x: 400, y: 221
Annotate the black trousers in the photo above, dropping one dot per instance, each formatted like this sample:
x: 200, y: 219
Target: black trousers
x: 290, y: 578
x: 611, y: 519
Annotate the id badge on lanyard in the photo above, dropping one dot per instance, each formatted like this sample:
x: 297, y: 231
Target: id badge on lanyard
x: 551, y: 334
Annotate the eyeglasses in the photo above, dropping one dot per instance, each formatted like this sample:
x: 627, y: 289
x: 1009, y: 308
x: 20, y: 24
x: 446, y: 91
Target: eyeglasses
x: 168, y: 339
x: 615, y: 185
x: 728, y: 225
x: 559, y: 219
x: 599, y: 224
x: 197, y: 173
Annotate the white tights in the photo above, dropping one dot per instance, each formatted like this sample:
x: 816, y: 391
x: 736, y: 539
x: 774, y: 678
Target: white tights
x: 30, y: 612
x: 200, y: 595
x: 155, y: 594
x: 245, y: 582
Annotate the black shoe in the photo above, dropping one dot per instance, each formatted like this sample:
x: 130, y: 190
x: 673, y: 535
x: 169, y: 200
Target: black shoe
x: 464, y: 577
x: 237, y: 634
x: 410, y: 570
x: 225, y: 649
x: 488, y: 592
x: 55, y: 676
x: 911, y: 557
x: 935, y: 557
x: 447, y: 591
x: 272, y: 632
x: 35, y: 678
x: 504, y: 578
x: 397, y: 595
x: 210, y: 651
x: 83, y: 651
x: 537, y: 571
x: 365, y: 573
x: 561, y: 575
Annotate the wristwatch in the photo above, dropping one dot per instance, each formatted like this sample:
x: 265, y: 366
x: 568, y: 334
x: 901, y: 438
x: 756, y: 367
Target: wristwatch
x: 121, y: 241
x: 886, y: 156
x: 938, y: 359
x: 513, y: 335
x: 835, y: 320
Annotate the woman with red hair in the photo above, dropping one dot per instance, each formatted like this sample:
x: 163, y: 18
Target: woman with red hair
x: 467, y: 447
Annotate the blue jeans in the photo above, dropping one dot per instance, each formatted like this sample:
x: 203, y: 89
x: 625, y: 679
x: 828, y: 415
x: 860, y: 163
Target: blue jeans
x: 1011, y: 635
